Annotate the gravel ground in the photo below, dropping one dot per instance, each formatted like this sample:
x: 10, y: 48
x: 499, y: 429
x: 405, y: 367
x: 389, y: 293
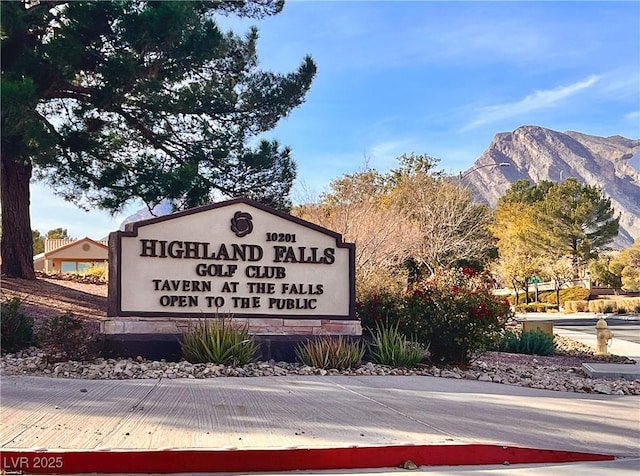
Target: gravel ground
x: 46, y: 297
x: 559, y: 373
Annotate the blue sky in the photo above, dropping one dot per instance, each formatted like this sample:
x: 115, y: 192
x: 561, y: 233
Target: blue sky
x: 436, y: 78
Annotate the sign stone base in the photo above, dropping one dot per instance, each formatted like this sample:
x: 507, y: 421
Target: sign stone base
x: 159, y: 338
x: 263, y: 326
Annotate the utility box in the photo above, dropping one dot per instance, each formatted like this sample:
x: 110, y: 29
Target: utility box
x: 544, y: 326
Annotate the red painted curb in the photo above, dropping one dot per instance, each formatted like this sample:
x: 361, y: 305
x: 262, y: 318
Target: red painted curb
x: 287, y: 459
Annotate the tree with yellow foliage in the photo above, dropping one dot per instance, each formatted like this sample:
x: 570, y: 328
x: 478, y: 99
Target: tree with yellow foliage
x: 627, y: 266
x: 520, y: 258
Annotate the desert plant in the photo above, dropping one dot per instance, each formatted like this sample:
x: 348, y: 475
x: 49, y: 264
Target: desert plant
x: 16, y: 328
x: 390, y: 347
x: 218, y: 341
x: 66, y: 337
x: 330, y: 353
x: 534, y: 342
x: 620, y: 305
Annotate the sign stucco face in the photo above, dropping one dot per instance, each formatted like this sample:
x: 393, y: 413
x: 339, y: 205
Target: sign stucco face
x: 237, y: 258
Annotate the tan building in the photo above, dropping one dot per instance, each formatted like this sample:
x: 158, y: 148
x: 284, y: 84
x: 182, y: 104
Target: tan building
x: 71, y: 256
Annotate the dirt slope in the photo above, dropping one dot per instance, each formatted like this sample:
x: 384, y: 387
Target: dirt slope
x: 46, y: 297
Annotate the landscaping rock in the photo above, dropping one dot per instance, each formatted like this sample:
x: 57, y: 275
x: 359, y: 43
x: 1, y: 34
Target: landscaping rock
x: 560, y: 373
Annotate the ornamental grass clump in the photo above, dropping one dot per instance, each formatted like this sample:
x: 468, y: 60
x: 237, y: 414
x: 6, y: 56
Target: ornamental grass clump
x: 534, y: 342
x: 220, y: 342
x: 330, y: 353
x: 390, y: 347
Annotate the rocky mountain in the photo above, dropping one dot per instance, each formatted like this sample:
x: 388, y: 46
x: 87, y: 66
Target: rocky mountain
x: 535, y: 153
x: 163, y: 208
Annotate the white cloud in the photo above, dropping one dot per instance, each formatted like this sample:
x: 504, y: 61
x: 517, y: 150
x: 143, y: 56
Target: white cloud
x: 533, y: 102
x: 383, y: 155
x: 388, y: 150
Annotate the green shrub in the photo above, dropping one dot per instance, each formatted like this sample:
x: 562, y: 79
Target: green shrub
x: 381, y: 308
x: 66, y: 337
x: 456, y: 314
x: 390, y: 347
x: 16, y: 328
x: 330, y: 353
x: 218, y: 341
x: 534, y: 342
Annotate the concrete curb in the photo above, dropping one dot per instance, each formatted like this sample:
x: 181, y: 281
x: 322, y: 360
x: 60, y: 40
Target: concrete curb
x: 284, y: 459
x: 625, y: 371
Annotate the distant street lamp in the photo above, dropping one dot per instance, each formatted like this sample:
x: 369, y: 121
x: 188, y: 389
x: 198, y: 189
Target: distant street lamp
x: 498, y: 164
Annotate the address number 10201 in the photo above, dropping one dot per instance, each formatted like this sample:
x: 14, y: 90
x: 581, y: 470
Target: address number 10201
x: 281, y: 237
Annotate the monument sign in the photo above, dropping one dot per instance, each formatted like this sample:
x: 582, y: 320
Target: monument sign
x: 279, y: 273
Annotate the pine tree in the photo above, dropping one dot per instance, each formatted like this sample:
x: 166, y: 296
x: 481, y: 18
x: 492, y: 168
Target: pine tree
x: 576, y: 220
x: 115, y: 101
x: 567, y: 219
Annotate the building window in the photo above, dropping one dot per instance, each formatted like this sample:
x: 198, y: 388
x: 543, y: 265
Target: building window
x: 81, y: 267
x: 84, y: 267
x: 68, y: 267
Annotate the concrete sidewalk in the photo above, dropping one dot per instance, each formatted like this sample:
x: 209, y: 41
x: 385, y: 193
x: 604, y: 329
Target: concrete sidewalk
x: 322, y: 412
x: 282, y: 412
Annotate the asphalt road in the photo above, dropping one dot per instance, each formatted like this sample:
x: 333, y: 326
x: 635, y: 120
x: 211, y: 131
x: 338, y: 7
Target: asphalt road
x: 622, y: 328
x: 626, y: 327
